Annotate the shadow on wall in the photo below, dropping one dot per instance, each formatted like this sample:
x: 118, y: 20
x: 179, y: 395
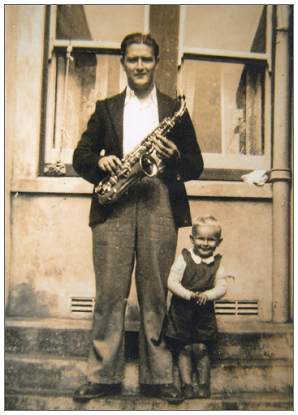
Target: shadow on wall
x: 26, y: 301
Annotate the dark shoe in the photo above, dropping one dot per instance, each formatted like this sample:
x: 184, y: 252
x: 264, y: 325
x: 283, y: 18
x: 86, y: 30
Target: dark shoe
x: 95, y: 390
x: 167, y: 392
x: 204, y: 391
x: 188, y: 391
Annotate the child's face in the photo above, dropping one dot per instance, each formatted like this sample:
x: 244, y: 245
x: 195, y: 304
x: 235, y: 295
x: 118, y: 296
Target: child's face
x: 205, y: 240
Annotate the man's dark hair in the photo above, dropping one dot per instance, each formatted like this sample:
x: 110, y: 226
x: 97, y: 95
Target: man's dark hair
x: 139, y: 38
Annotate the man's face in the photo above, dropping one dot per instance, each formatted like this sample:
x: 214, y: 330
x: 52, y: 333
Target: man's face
x: 139, y: 64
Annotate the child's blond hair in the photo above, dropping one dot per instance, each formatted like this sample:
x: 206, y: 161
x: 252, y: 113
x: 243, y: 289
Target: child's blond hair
x: 207, y: 220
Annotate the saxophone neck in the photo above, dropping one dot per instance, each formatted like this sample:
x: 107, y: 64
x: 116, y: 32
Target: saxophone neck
x: 182, y: 106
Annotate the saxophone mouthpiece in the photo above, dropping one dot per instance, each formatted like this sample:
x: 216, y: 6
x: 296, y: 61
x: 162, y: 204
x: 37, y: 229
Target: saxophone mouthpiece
x: 180, y: 93
x: 181, y: 100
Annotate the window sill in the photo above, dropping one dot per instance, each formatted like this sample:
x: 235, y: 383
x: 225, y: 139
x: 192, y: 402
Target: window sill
x: 226, y: 189
x: 195, y: 188
x: 64, y: 185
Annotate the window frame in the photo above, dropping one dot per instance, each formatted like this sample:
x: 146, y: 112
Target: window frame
x: 214, y: 170
x: 58, y: 45
x: 215, y: 164
x: 50, y: 151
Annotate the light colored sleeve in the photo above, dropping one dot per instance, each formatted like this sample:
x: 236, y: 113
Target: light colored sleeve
x: 220, y: 286
x: 175, y: 278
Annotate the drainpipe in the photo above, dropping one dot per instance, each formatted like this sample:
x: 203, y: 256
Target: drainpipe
x: 164, y: 27
x: 281, y: 174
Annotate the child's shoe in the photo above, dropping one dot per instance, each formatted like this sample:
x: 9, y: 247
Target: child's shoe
x: 188, y: 391
x: 203, y: 391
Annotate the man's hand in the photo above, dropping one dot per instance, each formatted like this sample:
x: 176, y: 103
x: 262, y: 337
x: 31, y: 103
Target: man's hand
x: 165, y: 148
x: 109, y: 163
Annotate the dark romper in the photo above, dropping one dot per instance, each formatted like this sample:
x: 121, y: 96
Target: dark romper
x: 191, y: 323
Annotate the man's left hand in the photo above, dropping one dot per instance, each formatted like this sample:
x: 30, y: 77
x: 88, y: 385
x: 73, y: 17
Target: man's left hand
x: 166, y: 149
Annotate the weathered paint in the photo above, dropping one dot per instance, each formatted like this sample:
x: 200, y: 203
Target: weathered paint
x: 28, y: 23
x: 52, y: 252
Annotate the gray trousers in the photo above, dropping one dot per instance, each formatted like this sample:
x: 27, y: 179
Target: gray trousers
x: 140, y: 228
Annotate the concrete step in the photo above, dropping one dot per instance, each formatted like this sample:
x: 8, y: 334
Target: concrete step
x: 71, y: 338
x: 237, y: 401
x: 45, y: 373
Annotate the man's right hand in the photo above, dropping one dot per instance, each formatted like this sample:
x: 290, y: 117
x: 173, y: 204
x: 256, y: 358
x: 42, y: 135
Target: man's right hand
x: 109, y: 164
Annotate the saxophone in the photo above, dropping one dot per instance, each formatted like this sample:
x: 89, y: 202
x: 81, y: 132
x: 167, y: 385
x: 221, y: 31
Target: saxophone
x: 142, y: 161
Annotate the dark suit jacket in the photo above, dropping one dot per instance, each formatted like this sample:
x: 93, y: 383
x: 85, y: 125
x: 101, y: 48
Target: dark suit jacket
x: 105, y: 131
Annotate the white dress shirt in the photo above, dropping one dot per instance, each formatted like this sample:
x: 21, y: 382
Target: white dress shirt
x: 139, y: 119
x: 176, y: 275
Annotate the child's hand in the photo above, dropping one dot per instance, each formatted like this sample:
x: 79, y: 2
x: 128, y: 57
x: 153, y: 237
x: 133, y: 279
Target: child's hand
x: 202, y: 298
x: 194, y: 297
x: 199, y: 298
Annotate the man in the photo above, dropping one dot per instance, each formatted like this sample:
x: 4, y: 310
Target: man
x: 140, y: 227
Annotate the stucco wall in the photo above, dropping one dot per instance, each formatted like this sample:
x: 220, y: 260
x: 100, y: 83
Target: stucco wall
x: 52, y: 253
x: 24, y: 45
x: 25, y: 83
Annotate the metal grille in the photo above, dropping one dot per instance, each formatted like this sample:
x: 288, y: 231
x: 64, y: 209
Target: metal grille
x: 82, y: 304
x: 222, y: 307
x: 237, y: 307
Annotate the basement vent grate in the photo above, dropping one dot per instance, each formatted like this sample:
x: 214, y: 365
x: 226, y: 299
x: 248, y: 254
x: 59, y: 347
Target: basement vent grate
x: 82, y: 304
x: 222, y: 307
x: 237, y: 307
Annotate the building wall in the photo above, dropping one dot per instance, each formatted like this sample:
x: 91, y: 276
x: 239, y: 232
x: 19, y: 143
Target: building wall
x: 48, y: 240
x: 24, y: 26
x: 51, y: 258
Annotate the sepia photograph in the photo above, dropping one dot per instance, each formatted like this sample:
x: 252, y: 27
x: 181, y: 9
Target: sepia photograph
x: 148, y: 207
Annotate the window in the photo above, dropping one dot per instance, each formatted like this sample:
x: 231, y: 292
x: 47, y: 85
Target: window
x: 223, y: 70
x: 84, y: 66
x: 224, y: 76
x: 224, y: 27
x: 90, y: 76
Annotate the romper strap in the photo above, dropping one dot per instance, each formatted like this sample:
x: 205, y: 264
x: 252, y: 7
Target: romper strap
x: 187, y: 256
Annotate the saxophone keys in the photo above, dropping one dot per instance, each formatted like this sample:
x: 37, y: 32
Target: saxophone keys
x: 113, y: 180
x: 126, y: 170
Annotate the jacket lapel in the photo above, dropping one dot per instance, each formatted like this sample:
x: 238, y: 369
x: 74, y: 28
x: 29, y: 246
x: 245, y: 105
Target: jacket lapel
x: 115, y: 108
x: 165, y: 105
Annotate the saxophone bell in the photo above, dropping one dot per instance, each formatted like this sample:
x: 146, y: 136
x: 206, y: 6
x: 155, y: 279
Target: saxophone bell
x: 148, y: 165
x: 151, y: 164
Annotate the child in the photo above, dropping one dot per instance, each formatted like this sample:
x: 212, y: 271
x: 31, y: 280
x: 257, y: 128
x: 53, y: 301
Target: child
x: 196, y: 279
